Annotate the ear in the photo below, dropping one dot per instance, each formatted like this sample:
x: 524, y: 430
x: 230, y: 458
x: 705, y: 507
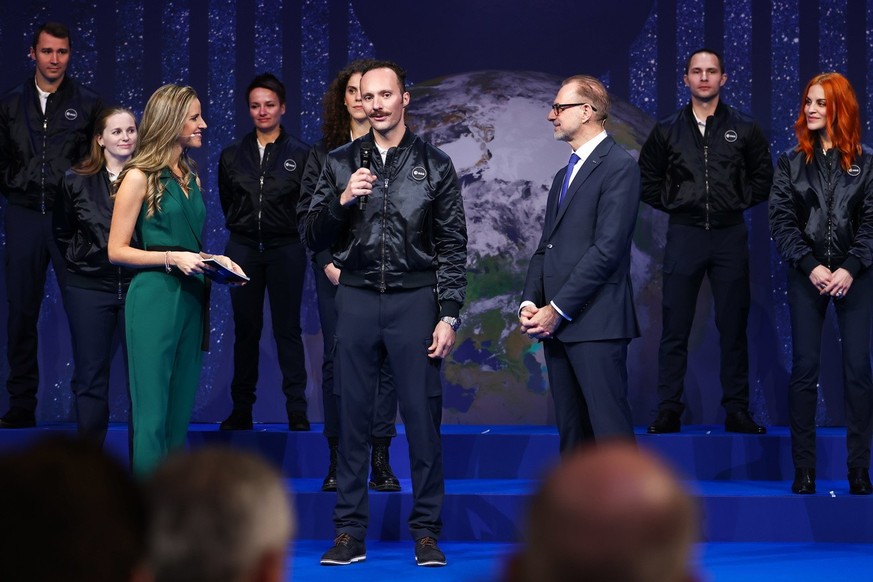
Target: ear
x: 282, y: 109
x: 685, y: 79
x: 724, y: 78
x: 405, y: 99
x: 31, y: 54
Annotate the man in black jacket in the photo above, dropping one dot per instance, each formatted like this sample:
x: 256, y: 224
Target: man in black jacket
x: 46, y: 124
x: 704, y: 165
x: 401, y: 245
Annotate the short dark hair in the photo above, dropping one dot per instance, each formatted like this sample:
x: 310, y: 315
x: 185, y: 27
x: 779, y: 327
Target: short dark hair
x: 55, y: 29
x: 267, y: 81
x: 704, y: 50
x: 398, y: 70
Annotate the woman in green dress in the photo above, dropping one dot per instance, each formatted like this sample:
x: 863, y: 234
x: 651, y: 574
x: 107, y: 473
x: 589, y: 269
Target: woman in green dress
x: 159, y: 198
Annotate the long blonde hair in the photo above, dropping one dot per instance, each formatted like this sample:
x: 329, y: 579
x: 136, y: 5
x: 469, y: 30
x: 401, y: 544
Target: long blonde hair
x: 162, y: 121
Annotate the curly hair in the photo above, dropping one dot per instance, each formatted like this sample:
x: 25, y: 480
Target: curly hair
x: 162, y: 121
x: 843, y: 119
x: 337, y: 121
x: 96, y: 158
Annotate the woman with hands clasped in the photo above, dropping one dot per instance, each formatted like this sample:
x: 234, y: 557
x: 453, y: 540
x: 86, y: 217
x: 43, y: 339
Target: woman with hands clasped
x: 821, y: 217
x: 160, y: 200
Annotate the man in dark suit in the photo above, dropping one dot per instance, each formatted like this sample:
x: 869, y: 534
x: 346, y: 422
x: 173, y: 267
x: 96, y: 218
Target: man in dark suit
x: 577, y: 297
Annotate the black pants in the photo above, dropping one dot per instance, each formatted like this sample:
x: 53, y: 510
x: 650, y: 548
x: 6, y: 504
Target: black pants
x: 371, y: 327
x: 97, y: 330
x: 278, y: 271
x: 722, y: 255
x: 385, y: 410
x: 30, y: 245
x: 855, y: 319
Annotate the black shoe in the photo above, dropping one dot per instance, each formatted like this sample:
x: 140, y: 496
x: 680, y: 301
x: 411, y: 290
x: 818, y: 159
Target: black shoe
x: 427, y: 553
x: 804, y: 481
x: 297, y: 420
x: 742, y: 422
x: 346, y: 550
x: 329, y: 483
x: 382, y: 478
x: 859, y: 481
x: 18, y: 418
x: 666, y: 421
x: 238, y: 420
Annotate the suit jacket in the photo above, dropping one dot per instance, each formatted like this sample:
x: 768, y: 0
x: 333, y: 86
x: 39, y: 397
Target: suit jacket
x: 582, y: 262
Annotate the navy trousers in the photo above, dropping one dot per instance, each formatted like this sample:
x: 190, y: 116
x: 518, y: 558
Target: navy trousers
x: 385, y: 410
x: 30, y: 245
x: 723, y: 255
x: 97, y: 330
x: 278, y: 271
x: 855, y: 320
x: 371, y: 328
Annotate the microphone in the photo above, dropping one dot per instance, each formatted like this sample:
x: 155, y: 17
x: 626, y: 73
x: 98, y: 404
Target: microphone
x: 366, y: 154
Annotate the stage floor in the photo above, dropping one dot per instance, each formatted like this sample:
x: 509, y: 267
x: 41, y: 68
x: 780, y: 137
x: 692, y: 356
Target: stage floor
x: 482, y: 562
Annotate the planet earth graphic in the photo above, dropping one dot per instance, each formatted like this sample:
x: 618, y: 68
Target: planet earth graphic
x: 493, y: 125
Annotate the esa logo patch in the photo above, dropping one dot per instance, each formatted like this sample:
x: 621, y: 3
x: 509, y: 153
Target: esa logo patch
x: 290, y: 165
x: 71, y: 114
x: 730, y: 135
x: 418, y: 173
x: 854, y: 170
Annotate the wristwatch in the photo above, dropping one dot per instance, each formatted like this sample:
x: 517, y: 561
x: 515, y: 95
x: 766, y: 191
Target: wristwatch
x: 454, y: 322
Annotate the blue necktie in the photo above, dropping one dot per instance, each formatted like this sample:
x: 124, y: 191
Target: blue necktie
x: 570, y: 165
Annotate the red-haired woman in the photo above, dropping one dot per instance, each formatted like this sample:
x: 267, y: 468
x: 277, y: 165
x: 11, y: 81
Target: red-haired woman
x: 821, y: 217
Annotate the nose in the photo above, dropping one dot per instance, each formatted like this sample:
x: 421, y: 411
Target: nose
x: 551, y: 115
x: 203, y: 123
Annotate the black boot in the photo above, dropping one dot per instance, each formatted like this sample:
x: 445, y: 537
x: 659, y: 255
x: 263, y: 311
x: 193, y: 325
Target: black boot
x: 382, y: 478
x: 239, y: 419
x: 329, y: 483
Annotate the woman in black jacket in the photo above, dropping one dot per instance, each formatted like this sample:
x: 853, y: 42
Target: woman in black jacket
x: 259, y: 187
x: 95, y: 289
x: 345, y: 121
x: 821, y: 217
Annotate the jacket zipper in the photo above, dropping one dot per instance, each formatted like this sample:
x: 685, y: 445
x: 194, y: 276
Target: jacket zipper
x: 42, y: 174
x: 831, y: 187
x: 706, y: 170
x: 261, y: 196
x: 119, y: 284
x: 382, y: 283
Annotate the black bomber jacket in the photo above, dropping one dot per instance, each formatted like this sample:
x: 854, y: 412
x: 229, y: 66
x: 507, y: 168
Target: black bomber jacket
x: 706, y: 180
x: 36, y: 149
x: 259, y: 197
x: 83, y: 234
x: 413, y: 232
x: 815, y: 223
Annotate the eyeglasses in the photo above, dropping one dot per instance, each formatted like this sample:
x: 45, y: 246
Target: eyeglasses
x: 558, y: 108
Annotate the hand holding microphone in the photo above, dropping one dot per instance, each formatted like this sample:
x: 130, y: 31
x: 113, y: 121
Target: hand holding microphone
x: 366, y: 154
x: 361, y: 182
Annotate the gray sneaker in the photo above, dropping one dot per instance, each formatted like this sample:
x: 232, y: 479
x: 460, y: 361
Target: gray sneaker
x: 346, y: 550
x: 427, y: 553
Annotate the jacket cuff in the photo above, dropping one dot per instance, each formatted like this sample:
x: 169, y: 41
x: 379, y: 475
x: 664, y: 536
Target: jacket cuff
x: 450, y: 309
x: 808, y: 263
x: 337, y: 210
x: 323, y: 258
x: 853, y: 265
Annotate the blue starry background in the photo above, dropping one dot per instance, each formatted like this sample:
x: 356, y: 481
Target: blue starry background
x: 127, y: 48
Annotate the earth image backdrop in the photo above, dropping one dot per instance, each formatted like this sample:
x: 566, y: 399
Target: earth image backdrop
x: 493, y: 125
